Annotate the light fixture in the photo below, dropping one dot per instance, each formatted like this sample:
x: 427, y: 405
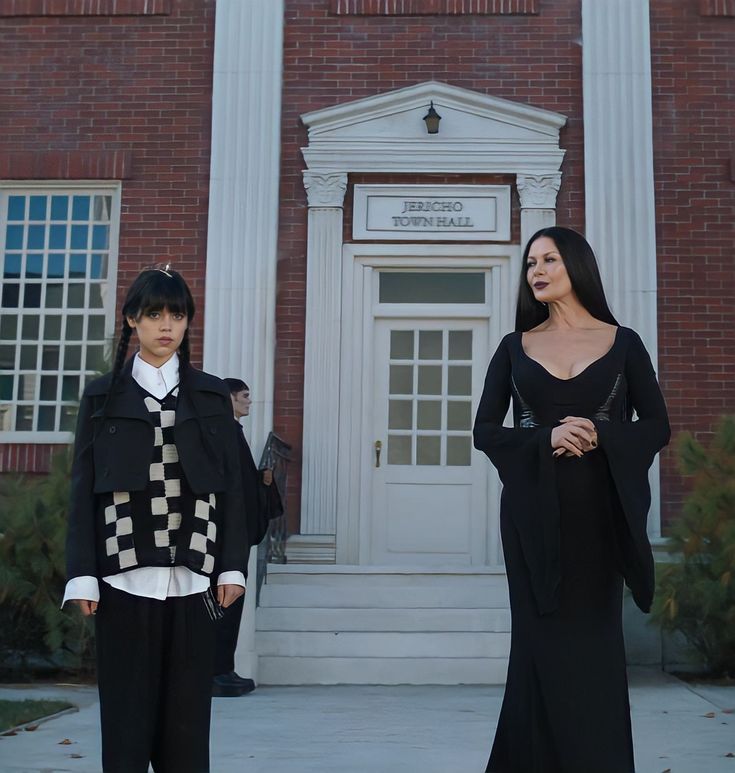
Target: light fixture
x: 432, y: 119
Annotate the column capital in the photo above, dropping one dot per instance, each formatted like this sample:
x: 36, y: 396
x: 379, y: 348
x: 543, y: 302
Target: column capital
x: 538, y: 191
x: 325, y: 189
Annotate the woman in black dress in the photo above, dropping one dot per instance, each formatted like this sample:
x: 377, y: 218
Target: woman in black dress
x: 574, y: 468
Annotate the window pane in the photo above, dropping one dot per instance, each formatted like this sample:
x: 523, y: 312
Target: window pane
x: 430, y: 345
x: 75, y: 298
x: 7, y: 358
x: 68, y: 418
x: 430, y: 379
x: 36, y: 237
x: 100, y: 237
x: 11, y: 266
x: 400, y: 414
x: 50, y: 358
x: 99, y: 267
x: 460, y: 344
x: 14, y: 237
x: 37, y: 208
x: 80, y: 208
x: 399, y: 449
x: 428, y: 449
x: 28, y: 354
x: 78, y: 266
x: 460, y: 380
x: 24, y: 418
x: 54, y: 296
x: 8, y: 327
x: 96, y: 331
x: 27, y: 386
x: 31, y: 325
x: 6, y: 388
x: 32, y: 297
x: 34, y: 265
x: 48, y: 387
x: 59, y: 207
x: 401, y: 344
x: 74, y: 327
x: 96, y: 359
x: 459, y: 415
x: 11, y: 295
x: 16, y: 207
x: 70, y: 388
x: 401, y: 380
x: 52, y: 328
x: 95, y: 296
x: 46, y: 418
x: 429, y: 414
x: 57, y: 237
x: 102, y: 207
x: 72, y: 357
x: 56, y: 265
x: 79, y: 237
x: 459, y: 451
x: 431, y: 287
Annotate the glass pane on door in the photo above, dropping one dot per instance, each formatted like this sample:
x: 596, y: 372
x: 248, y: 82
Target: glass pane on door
x: 429, y: 398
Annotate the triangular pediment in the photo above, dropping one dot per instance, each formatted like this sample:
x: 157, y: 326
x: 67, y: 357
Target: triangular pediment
x: 389, y: 126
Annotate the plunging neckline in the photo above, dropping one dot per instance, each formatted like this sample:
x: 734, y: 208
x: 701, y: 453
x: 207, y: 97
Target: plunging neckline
x: 581, y: 372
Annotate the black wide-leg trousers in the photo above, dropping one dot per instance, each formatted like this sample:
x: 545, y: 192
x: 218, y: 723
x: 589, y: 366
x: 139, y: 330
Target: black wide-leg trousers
x: 228, y: 629
x: 154, y: 670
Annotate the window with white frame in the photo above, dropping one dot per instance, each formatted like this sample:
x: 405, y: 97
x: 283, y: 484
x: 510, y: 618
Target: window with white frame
x: 59, y: 255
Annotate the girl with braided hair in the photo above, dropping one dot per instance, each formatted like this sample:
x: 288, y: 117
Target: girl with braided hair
x: 156, y: 512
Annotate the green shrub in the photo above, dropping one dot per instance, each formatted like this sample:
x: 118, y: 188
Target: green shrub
x: 35, y: 632
x: 696, y: 593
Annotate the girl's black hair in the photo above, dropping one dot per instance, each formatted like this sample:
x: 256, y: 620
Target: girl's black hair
x: 154, y: 289
x: 584, y: 274
x: 236, y: 385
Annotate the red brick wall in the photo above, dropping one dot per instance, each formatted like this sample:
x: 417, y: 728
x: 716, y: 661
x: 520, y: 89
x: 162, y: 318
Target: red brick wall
x: 330, y: 59
x: 693, y: 63
x: 93, y: 84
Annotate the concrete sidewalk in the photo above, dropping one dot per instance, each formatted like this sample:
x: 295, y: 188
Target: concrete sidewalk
x: 355, y: 729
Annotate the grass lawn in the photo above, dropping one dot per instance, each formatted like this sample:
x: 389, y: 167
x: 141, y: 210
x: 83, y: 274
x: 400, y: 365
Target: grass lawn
x: 13, y: 713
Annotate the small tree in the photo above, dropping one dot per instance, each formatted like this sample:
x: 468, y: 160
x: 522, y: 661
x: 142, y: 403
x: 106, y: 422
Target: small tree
x: 696, y: 594
x: 32, y: 573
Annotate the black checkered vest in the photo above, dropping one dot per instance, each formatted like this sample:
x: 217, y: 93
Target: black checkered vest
x: 165, y: 524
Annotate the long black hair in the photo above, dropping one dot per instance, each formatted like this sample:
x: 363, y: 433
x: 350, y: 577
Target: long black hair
x: 584, y: 275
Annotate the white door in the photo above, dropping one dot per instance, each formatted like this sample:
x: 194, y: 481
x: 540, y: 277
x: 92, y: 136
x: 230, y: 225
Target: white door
x: 429, y: 488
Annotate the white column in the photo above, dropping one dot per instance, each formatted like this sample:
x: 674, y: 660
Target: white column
x: 240, y: 293
x: 325, y: 192
x: 537, y: 194
x: 620, y: 209
x: 239, y: 313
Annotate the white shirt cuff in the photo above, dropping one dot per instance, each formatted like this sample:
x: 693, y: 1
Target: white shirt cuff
x: 231, y: 578
x: 86, y: 588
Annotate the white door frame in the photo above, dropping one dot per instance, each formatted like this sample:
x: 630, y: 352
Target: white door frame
x: 359, y: 261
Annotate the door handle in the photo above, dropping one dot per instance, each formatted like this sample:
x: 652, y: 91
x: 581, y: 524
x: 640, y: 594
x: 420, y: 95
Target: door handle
x: 378, y: 449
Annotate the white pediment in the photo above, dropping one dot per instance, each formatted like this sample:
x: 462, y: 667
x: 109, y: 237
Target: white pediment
x: 477, y: 132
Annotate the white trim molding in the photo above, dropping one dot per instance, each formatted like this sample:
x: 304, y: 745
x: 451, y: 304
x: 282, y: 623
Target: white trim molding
x: 620, y: 210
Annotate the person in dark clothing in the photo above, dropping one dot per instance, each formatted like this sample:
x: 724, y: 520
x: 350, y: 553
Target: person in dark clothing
x: 156, y: 514
x: 257, y: 487
x: 574, y: 468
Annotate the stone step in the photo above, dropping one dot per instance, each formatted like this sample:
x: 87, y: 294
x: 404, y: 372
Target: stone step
x: 440, y: 619
x: 381, y: 644
x: 403, y: 596
x: 348, y: 670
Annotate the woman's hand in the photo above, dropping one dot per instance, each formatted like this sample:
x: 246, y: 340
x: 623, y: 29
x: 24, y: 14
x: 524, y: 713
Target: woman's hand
x: 573, y: 437
x: 227, y: 594
x: 87, y: 607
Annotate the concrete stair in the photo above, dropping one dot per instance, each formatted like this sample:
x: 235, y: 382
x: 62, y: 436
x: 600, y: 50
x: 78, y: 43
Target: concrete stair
x: 332, y: 624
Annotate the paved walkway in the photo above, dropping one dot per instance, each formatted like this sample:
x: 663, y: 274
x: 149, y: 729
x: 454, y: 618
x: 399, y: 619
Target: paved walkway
x: 677, y: 727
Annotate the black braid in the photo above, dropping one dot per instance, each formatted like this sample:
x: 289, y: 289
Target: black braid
x: 120, y: 355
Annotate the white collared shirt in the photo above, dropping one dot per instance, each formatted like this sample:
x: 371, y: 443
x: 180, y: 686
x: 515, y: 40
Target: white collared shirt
x: 153, y: 582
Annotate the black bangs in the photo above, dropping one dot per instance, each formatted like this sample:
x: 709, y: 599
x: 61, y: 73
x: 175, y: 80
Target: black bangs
x: 156, y: 289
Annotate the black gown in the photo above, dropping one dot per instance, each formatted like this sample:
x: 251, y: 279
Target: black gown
x: 572, y: 530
